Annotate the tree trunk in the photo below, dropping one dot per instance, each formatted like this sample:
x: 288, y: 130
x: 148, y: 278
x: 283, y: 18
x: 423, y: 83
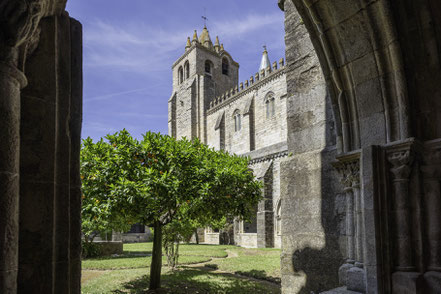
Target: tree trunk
x: 155, y: 268
x: 197, y: 236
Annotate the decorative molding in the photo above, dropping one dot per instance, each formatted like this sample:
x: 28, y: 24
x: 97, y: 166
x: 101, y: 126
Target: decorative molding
x: 269, y: 157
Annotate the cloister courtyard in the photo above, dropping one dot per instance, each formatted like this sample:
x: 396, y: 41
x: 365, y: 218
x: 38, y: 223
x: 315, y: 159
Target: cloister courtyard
x: 201, y: 269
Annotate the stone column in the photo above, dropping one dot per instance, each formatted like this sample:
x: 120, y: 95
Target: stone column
x: 432, y: 204
x: 358, y: 218
x: 401, y: 162
x: 11, y: 81
x: 346, y: 171
x: 75, y: 121
x: 22, y: 20
x: 405, y: 278
x: 351, y: 273
x: 265, y: 212
x: 432, y: 201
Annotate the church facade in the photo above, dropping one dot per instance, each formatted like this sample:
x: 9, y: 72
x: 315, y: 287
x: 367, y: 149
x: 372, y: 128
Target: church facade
x: 247, y: 119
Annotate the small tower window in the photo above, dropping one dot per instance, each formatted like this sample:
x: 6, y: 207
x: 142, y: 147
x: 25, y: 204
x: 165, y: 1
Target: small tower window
x: 208, y: 67
x: 180, y: 75
x: 225, y: 66
x: 237, y: 122
x: 269, y: 105
x: 187, y: 70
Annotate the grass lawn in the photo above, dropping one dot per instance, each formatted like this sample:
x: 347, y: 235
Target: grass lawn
x: 129, y: 273
x: 257, y: 263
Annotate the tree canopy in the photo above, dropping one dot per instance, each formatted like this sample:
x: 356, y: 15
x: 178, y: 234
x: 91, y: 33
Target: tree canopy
x: 159, y: 179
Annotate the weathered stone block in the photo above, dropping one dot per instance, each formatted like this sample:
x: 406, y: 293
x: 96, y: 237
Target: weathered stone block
x: 407, y: 283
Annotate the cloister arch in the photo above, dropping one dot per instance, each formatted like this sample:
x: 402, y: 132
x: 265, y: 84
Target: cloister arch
x: 379, y: 117
x: 385, y: 110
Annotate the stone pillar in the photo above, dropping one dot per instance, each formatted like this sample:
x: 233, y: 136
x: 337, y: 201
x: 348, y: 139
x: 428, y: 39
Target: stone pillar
x: 22, y: 20
x: 405, y: 279
x: 351, y: 273
x: 401, y: 166
x: 432, y: 200
x: 75, y: 122
x: 432, y: 204
x: 50, y: 196
x: 265, y: 212
x: 11, y: 81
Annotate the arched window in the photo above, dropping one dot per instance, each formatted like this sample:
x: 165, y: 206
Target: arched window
x: 180, y: 75
x: 225, y: 66
x: 269, y: 105
x: 237, y: 123
x: 208, y: 66
x: 187, y: 69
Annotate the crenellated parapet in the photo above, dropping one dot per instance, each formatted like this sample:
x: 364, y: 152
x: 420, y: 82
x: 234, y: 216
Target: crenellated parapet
x: 253, y: 83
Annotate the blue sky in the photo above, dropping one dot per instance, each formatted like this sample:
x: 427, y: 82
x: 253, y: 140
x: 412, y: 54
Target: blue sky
x: 130, y: 46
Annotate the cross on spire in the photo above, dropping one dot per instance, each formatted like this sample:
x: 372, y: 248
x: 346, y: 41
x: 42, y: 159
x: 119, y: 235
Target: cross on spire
x: 204, y: 17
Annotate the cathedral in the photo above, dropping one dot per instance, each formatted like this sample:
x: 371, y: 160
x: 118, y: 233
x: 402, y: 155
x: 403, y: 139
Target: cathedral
x: 248, y: 119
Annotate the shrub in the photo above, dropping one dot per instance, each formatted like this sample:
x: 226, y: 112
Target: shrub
x: 90, y: 249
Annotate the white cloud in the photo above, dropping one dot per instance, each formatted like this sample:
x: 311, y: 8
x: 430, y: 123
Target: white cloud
x: 138, y: 46
x: 111, y: 95
x: 239, y: 28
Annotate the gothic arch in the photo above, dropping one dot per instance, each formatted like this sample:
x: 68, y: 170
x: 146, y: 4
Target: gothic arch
x: 269, y: 101
x: 209, y: 67
x: 237, y: 117
x: 362, y: 47
x: 180, y: 75
x: 381, y: 63
x: 225, y: 66
x: 186, y: 70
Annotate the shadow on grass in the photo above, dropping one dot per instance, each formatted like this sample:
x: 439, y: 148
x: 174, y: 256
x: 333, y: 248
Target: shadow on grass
x: 186, y: 281
x: 145, y: 253
x: 260, y: 275
x: 127, y: 254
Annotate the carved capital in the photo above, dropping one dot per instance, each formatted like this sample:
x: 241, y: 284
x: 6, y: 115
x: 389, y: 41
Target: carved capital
x: 349, y: 170
x: 19, y: 21
x: 401, y: 162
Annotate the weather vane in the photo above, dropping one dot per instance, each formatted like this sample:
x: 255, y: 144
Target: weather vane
x: 204, y: 17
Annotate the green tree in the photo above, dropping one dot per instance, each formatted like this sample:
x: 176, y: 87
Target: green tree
x: 97, y: 214
x: 159, y: 180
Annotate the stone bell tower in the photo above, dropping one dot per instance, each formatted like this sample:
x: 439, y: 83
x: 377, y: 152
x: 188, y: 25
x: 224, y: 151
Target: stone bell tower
x: 203, y: 72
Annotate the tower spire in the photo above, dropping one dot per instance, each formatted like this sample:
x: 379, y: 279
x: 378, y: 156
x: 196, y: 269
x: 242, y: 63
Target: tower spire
x: 217, y: 44
x: 205, y: 40
x: 195, y: 37
x: 265, y: 62
x: 188, y: 44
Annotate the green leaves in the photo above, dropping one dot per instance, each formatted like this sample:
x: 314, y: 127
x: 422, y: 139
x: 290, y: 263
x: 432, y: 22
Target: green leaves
x: 162, y: 179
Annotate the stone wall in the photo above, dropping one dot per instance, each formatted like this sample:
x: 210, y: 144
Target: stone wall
x: 312, y: 211
x: 250, y: 104
x: 247, y: 240
x: 211, y: 238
